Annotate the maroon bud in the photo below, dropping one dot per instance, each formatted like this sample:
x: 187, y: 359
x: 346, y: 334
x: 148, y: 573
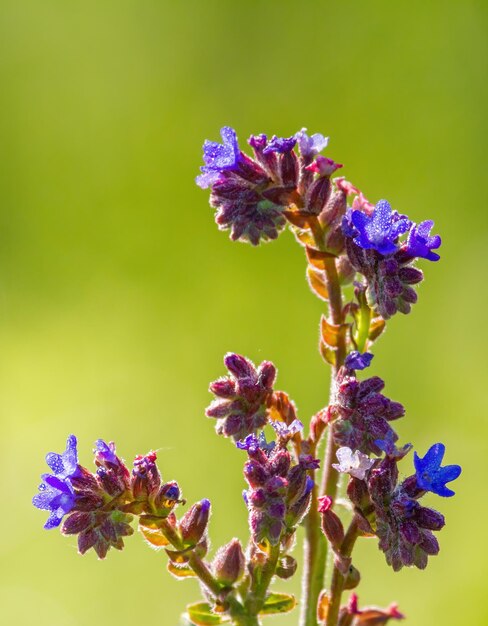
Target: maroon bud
x: 223, y: 387
x: 228, y: 564
x: 429, y: 543
x: 332, y: 528
x: 255, y: 474
x: 86, y: 540
x: 250, y: 170
x: 357, y: 491
x: 239, y: 365
x: 267, y: 374
x: 410, y: 275
x: 428, y: 518
x: 194, y: 523
x: 280, y: 463
x: 409, y: 295
x: 218, y: 408
x: 84, y: 480
x: 410, y: 532
x: 289, y: 169
x: 318, y: 196
x: 88, y: 502
x: 75, y: 523
x: 145, y: 476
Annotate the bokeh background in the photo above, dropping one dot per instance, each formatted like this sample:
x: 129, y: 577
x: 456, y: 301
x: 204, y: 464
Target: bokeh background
x: 119, y: 297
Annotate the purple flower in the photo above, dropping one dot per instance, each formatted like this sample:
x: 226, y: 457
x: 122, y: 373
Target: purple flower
x: 357, y: 361
x: 105, y: 452
x: 431, y: 476
x: 420, y: 243
x: 56, y: 493
x: 387, y: 445
x: 380, y: 230
x: 354, y: 463
x: 218, y: 157
x: 309, y: 146
x: 286, y: 432
x: 57, y: 496
x: 252, y: 444
x: 280, y: 144
x: 66, y: 464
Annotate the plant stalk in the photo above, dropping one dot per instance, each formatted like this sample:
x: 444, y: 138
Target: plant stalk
x: 315, y: 546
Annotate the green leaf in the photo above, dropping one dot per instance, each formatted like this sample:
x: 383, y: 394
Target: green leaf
x: 201, y: 614
x: 180, y: 571
x: 278, y: 603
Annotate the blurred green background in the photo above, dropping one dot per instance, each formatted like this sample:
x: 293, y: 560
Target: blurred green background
x: 119, y: 297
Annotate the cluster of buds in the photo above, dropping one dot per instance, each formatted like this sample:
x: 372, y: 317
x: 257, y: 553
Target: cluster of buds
x: 392, y: 510
x: 362, y: 413
x: 252, y: 196
x: 242, y: 397
x: 99, y: 507
x: 279, y: 491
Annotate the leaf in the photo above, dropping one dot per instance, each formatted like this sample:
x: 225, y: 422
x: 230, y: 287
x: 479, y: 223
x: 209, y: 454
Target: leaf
x: 201, y: 614
x: 180, y: 571
x: 304, y: 237
x: 329, y: 332
x: 298, y: 218
x: 323, y: 606
x: 317, y: 258
x: 328, y: 354
x: 278, y: 603
x: 316, y: 281
x: 179, y: 556
x: 154, y: 537
x: 376, y: 327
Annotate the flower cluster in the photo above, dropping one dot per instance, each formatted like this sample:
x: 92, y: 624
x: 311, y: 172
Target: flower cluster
x: 242, y: 397
x: 392, y: 509
x: 251, y: 195
x: 99, y: 507
x: 362, y: 413
x: 279, y: 492
x: 346, y: 240
x: 374, y: 249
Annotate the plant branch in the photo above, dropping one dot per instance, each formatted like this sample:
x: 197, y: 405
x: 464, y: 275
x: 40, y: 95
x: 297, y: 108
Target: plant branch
x: 338, y: 578
x: 315, y: 546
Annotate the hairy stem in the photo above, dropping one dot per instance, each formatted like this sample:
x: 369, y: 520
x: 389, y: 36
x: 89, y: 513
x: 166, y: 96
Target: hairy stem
x: 204, y: 574
x: 338, y: 579
x: 239, y: 615
x: 315, y: 546
x: 261, y: 581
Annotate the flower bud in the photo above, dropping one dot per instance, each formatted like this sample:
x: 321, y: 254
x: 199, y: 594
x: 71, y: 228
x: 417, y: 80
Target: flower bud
x: 229, y: 562
x: 318, y: 195
x: 145, y: 476
x: 287, y: 566
x: 194, y: 523
x: 289, y: 169
x: 331, y: 524
x: 352, y: 578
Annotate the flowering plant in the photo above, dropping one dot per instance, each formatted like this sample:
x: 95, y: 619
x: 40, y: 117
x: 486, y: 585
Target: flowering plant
x: 361, y: 261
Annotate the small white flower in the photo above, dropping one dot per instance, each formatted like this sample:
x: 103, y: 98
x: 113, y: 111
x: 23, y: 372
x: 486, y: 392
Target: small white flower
x: 354, y: 463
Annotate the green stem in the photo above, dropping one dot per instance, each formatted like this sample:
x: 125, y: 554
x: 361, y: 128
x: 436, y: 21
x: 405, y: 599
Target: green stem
x: 239, y: 615
x: 315, y: 553
x: 315, y: 546
x: 261, y: 581
x: 338, y: 579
